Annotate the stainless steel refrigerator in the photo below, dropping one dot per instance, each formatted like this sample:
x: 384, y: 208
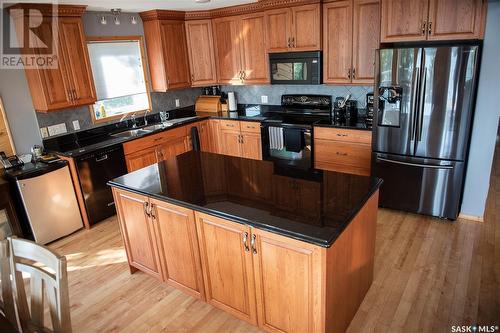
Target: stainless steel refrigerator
x: 424, y: 102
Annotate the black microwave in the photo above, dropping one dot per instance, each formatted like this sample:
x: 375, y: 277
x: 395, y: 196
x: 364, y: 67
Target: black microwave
x: 295, y: 67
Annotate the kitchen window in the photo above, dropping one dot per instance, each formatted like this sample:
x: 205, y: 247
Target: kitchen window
x: 120, y: 80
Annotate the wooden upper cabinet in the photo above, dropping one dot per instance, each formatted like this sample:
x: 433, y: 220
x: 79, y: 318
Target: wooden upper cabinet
x: 166, y: 47
x: 403, y: 20
x: 227, y: 265
x: 254, y: 59
x: 201, y: 52
x: 227, y: 49
x: 278, y: 27
x: 366, y: 34
x: 293, y: 29
x: 178, y: 244
x: 138, y: 232
x: 456, y: 19
x: 306, y: 27
x: 337, y: 44
x: 77, y: 60
x: 70, y: 83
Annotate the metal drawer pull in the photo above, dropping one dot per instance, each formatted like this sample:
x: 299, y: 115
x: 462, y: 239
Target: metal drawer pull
x: 102, y: 158
x: 416, y: 164
x: 254, y: 249
x: 152, y: 211
x: 341, y: 154
x: 145, y: 206
x: 338, y: 134
x: 245, y: 242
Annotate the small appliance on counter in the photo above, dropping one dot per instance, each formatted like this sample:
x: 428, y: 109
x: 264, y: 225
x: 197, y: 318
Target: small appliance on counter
x: 45, y: 200
x: 369, y: 110
x: 345, y: 111
x: 207, y: 103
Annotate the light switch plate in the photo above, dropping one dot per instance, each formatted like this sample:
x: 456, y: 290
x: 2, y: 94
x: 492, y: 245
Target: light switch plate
x: 57, y: 129
x: 177, y: 103
x: 264, y: 99
x: 76, y: 125
x: 44, y: 132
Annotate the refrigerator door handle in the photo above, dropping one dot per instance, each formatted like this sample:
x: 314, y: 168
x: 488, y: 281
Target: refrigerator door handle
x: 428, y: 166
x: 416, y: 98
x: 421, y: 107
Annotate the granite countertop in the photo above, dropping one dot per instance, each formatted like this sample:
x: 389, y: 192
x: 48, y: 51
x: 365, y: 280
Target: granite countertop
x: 257, y: 193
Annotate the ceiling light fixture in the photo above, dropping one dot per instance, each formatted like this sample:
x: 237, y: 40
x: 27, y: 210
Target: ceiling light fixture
x: 202, y: 1
x: 133, y: 20
x: 116, y: 13
x: 102, y: 20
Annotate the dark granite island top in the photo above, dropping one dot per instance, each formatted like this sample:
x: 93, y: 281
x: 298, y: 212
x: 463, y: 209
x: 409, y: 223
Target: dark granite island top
x: 314, y: 207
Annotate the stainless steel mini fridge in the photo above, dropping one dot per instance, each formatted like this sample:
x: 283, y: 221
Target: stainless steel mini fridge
x: 424, y: 102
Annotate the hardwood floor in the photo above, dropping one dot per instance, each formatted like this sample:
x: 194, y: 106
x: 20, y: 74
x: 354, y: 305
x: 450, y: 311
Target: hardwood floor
x: 429, y: 275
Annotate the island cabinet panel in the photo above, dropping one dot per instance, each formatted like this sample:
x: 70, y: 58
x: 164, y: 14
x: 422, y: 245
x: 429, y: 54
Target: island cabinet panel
x: 403, y: 20
x: 227, y: 266
x: 201, y: 52
x: 178, y: 247
x: 138, y: 232
x: 288, y: 283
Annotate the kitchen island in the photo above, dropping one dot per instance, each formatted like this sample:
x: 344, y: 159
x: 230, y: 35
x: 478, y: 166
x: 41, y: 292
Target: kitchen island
x: 285, y: 250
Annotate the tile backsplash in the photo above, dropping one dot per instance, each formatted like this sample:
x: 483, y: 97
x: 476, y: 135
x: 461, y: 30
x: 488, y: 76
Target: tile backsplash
x: 252, y: 94
x: 160, y: 101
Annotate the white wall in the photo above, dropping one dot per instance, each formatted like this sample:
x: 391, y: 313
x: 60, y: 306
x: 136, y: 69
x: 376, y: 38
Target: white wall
x: 485, y: 120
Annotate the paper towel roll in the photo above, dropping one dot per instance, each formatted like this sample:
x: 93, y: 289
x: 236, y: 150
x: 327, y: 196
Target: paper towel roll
x: 231, y: 101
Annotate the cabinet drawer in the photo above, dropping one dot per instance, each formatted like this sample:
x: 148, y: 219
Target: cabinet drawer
x: 340, y: 134
x: 153, y: 140
x: 250, y: 126
x: 231, y: 125
x: 342, y: 153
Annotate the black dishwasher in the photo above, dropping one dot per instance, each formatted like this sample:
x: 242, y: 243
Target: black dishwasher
x: 95, y: 169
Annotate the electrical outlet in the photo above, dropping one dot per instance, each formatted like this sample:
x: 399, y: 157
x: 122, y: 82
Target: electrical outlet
x: 76, y: 125
x: 264, y: 99
x: 177, y: 103
x: 44, y: 132
x: 57, y: 129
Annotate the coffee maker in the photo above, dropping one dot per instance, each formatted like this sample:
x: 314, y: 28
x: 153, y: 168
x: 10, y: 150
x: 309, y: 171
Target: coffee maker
x: 345, y: 111
x: 369, y: 110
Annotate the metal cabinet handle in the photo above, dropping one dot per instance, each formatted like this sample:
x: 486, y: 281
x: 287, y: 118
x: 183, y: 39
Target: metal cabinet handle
x: 424, y: 25
x: 252, y: 243
x: 102, y: 158
x: 430, y: 28
x: 340, y: 134
x: 293, y: 41
x: 152, y: 211
x: 288, y: 43
x: 241, y: 138
x: 427, y: 166
x: 341, y: 154
x: 354, y: 73
x: 145, y: 206
x: 349, y: 73
x: 245, y: 241
x: 70, y: 95
x: 75, y: 97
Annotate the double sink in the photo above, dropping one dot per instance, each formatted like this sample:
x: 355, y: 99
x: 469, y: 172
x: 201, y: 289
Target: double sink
x: 135, y: 132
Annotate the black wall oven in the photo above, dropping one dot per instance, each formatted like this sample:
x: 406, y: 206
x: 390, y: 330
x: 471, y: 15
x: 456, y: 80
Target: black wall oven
x: 295, y: 67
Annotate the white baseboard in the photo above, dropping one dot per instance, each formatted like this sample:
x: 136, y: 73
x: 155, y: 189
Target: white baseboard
x: 471, y: 217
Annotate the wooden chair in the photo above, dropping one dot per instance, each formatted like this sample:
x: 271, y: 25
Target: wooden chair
x: 7, y: 305
x: 48, y: 277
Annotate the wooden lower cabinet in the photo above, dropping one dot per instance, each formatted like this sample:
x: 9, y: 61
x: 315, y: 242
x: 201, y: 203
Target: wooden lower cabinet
x: 240, y: 139
x: 141, y: 159
x: 230, y: 143
x: 138, y: 232
x: 227, y: 266
x: 251, y: 145
x: 178, y: 247
x: 273, y: 281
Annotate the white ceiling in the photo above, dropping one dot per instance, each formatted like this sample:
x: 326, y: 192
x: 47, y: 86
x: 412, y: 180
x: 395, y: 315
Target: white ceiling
x: 139, y: 5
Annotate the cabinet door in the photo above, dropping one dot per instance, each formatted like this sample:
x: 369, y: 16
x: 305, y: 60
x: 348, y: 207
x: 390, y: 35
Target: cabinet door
x: 172, y: 148
x: 227, y: 265
x: 204, y: 134
x: 254, y: 59
x: 366, y: 33
x: 49, y: 88
x: 337, y: 32
x: 251, y: 146
x: 77, y: 60
x: 227, y: 50
x: 288, y: 283
x: 178, y: 246
x: 278, y: 29
x: 306, y: 28
x: 230, y: 143
x: 403, y: 20
x: 141, y: 159
x: 175, y: 54
x: 201, y: 52
x: 456, y: 19
x: 214, y: 128
x: 138, y: 232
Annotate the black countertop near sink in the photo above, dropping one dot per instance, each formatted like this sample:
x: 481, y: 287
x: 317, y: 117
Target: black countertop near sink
x: 257, y: 193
